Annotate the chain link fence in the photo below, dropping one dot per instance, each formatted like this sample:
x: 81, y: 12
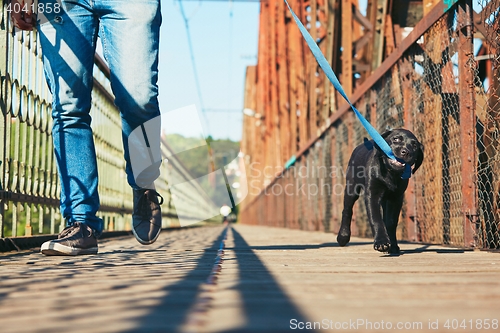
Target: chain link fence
x: 445, y: 88
x: 487, y: 92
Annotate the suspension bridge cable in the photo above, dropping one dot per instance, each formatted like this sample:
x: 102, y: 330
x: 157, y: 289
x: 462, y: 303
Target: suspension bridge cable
x: 193, y: 64
x: 230, y: 57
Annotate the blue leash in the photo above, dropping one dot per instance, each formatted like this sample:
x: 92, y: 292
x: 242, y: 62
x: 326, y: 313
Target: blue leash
x: 323, y: 63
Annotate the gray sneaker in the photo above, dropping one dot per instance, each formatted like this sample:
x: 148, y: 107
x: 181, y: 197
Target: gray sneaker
x: 146, y: 218
x: 74, y: 240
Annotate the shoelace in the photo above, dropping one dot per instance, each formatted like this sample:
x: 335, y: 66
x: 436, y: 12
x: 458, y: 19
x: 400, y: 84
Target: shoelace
x: 160, y: 202
x: 70, y: 230
x: 144, y: 202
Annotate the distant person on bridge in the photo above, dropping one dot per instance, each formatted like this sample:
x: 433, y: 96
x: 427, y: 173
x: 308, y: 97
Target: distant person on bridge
x: 129, y: 30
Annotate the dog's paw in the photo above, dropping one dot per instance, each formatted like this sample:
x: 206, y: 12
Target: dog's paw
x: 382, y: 245
x: 394, y: 249
x: 343, y: 239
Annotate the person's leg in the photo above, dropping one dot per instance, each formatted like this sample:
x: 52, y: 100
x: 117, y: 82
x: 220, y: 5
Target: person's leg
x: 68, y: 39
x: 129, y: 31
x: 130, y: 34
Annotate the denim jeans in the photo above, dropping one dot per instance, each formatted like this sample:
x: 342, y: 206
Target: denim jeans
x: 129, y: 30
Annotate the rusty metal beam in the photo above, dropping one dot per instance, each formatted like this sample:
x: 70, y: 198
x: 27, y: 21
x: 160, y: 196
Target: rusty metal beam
x: 361, y: 19
x: 294, y: 57
x: 436, y: 122
x: 329, y: 96
x: 302, y: 58
x: 390, y: 42
x: 266, y: 83
x: 467, y: 123
x: 273, y: 129
x: 360, y: 43
x: 347, y: 31
x: 312, y: 67
x: 248, y: 140
x: 282, y: 75
x: 260, y: 102
x: 359, y: 66
x: 380, y: 12
x: 479, y: 26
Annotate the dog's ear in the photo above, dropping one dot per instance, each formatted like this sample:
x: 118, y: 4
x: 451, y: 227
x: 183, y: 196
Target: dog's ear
x: 385, y: 135
x: 420, y: 158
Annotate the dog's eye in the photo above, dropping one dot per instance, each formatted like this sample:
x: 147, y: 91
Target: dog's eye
x: 397, y: 139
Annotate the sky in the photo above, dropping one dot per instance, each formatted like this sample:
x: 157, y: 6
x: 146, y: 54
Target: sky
x: 224, y: 38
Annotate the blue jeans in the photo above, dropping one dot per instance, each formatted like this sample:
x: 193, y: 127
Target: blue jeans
x: 129, y: 30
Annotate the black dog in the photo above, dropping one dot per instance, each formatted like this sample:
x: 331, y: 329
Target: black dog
x: 380, y: 178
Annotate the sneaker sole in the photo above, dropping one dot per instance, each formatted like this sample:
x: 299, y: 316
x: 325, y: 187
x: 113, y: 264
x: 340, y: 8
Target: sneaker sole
x: 56, y: 249
x: 143, y: 242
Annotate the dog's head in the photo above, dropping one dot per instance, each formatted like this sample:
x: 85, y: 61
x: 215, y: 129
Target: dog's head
x: 405, y: 147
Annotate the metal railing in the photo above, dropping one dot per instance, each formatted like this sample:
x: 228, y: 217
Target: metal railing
x: 29, y: 184
x: 432, y: 84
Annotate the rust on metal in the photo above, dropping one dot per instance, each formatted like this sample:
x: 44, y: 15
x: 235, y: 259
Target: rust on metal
x: 467, y: 123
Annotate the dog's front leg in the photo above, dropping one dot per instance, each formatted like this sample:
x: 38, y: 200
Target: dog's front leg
x: 392, y: 208
x: 350, y: 196
x: 373, y: 200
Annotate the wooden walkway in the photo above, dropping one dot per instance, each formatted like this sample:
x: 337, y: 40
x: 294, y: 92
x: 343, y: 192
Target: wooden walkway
x: 265, y: 280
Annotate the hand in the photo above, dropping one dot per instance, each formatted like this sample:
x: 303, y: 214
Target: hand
x: 22, y: 14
